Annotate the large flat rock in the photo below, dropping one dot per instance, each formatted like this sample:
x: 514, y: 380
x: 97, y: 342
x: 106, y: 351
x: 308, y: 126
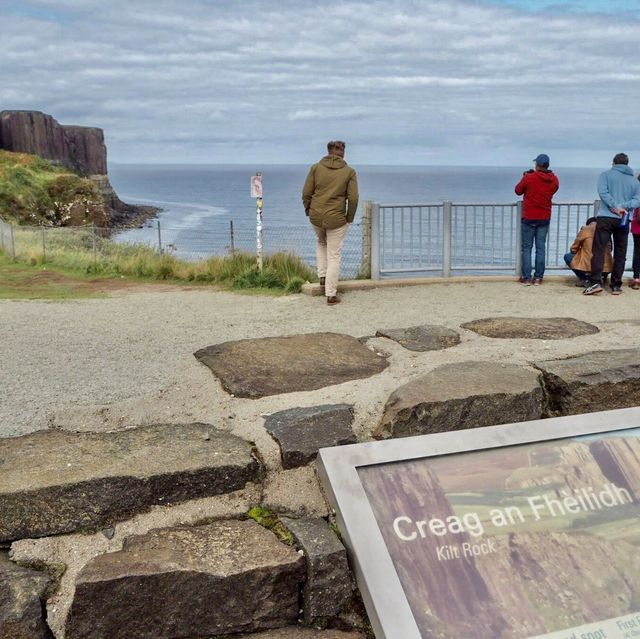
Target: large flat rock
x: 600, y: 380
x: 56, y: 482
x: 531, y: 327
x: 224, y: 577
x: 22, y: 598
x: 428, y: 337
x: 301, y: 432
x: 273, y: 365
x: 463, y: 395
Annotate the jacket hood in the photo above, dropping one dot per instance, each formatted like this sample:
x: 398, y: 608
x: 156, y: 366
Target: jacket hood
x: 545, y: 175
x: 333, y: 162
x: 623, y: 168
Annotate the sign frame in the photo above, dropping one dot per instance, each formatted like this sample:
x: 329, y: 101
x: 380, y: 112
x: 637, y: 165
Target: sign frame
x: 380, y: 587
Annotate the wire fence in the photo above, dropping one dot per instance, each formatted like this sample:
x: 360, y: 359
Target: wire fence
x: 219, y: 238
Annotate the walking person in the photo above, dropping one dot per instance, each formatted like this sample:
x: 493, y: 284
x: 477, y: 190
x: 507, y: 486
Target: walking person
x: 330, y: 199
x: 578, y: 259
x: 619, y: 193
x: 635, y: 233
x: 538, y: 187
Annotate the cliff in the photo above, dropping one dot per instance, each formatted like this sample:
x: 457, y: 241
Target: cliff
x: 80, y: 149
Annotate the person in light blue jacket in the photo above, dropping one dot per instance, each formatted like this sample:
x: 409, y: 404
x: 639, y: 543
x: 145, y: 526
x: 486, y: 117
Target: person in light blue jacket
x: 619, y: 193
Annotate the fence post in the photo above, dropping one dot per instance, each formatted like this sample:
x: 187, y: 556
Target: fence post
x: 519, y: 239
x: 375, y: 241
x: 159, y: 239
x: 93, y: 236
x: 13, y: 243
x: 365, y: 260
x: 44, y: 246
x: 446, y: 238
x: 233, y: 246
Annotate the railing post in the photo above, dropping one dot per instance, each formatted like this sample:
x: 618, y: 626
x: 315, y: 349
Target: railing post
x: 233, y: 247
x: 519, y: 239
x: 375, y: 241
x: 596, y: 207
x: 446, y: 238
x: 365, y: 260
x: 13, y: 243
x: 159, y: 239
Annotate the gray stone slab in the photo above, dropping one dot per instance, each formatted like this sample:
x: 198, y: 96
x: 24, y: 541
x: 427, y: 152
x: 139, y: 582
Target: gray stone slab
x: 531, y: 327
x: 56, y: 482
x: 427, y: 337
x: 297, y: 632
x: 273, y: 365
x: 22, y: 599
x: 328, y: 586
x: 224, y: 577
x: 463, y: 395
x: 301, y: 432
x: 600, y: 380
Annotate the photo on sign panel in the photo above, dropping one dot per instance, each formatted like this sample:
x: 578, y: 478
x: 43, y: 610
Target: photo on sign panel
x: 521, y: 542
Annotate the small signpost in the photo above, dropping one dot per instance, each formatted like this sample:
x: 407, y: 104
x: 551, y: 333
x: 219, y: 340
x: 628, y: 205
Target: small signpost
x: 525, y: 530
x: 256, y: 192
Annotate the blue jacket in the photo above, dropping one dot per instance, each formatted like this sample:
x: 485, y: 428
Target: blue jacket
x: 618, y: 189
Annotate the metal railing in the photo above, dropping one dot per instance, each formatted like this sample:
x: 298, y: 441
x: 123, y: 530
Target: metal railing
x: 409, y: 240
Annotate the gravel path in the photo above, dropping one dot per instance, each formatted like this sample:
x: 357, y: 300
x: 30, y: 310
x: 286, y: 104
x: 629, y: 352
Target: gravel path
x: 130, y: 357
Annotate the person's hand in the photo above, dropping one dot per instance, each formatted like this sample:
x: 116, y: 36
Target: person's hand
x: 617, y: 211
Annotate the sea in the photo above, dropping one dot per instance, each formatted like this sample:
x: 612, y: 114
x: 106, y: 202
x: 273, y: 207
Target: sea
x: 208, y: 209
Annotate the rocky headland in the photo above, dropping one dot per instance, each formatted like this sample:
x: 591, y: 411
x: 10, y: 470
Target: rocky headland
x: 77, y: 148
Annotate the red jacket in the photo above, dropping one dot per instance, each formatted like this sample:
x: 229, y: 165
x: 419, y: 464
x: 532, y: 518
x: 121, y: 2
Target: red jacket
x: 538, y: 188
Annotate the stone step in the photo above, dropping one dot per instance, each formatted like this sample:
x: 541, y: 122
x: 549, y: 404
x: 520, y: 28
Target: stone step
x: 463, y: 395
x: 22, y: 598
x: 224, y: 577
x: 58, y: 482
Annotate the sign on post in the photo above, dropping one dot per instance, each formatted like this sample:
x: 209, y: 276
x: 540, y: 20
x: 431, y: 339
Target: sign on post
x: 525, y: 530
x: 256, y: 192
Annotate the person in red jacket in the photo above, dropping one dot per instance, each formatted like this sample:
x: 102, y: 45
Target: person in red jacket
x: 538, y: 188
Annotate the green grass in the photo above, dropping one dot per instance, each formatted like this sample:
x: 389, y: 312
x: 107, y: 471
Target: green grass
x: 34, y: 191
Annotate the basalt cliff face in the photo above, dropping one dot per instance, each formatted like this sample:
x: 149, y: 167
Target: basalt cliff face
x: 80, y: 149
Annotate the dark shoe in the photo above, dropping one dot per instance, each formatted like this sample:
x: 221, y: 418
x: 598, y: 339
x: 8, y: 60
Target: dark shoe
x: 525, y: 281
x: 322, y: 281
x: 333, y: 300
x: 592, y: 289
x: 616, y: 290
x: 537, y: 281
x: 582, y: 283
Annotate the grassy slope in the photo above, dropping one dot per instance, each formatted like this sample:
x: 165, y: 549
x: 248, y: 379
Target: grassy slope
x: 34, y: 191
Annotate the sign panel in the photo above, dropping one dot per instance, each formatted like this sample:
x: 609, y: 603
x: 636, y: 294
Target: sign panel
x: 528, y: 530
x: 256, y: 185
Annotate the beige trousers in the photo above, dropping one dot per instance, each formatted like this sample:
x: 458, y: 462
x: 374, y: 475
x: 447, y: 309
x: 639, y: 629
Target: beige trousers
x: 328, y: 255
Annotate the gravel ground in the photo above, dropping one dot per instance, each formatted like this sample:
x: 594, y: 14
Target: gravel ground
x: 88, y: 364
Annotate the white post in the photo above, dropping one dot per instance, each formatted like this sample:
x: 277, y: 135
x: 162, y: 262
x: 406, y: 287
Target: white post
x: 446, y: 238
x: 259, y: 246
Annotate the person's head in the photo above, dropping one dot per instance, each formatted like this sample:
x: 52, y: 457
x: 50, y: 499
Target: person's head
x: 591, y: 219
x: 336, y: 147
x: 542, y: 161
x: 621, y: 158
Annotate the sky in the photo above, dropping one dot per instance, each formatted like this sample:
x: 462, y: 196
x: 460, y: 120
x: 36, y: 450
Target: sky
x: 427, y: 82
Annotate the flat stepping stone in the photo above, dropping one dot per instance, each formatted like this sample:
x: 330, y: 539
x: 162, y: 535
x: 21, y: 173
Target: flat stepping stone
x: 427, y: 337
x: 57, y: 482
x: 328, y: 586
x: 531, y: 327
x: 22, y: 599
x: 463, y: 395
x: 274, y: 365
x: 600, y: 380
x: 224, y: 577
x: 301, y: 432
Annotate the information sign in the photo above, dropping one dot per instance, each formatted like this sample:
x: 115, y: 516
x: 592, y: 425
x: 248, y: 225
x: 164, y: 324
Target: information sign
x: 526, y: 530
x: 256, y: 185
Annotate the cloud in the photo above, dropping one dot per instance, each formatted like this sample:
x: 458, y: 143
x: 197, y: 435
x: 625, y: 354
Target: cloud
x: 461, y: 81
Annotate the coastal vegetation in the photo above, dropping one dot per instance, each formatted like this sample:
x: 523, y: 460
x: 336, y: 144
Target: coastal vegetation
x: 34, y: 191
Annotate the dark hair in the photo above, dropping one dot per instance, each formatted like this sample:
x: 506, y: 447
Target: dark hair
x: 591, y: 219
x: 621, y: 158
x: 335, y: 144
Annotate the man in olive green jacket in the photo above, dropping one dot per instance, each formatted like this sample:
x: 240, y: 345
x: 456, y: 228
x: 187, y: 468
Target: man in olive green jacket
x: 331, y: 183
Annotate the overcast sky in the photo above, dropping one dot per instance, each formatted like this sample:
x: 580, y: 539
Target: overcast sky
x: 440, y: 82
